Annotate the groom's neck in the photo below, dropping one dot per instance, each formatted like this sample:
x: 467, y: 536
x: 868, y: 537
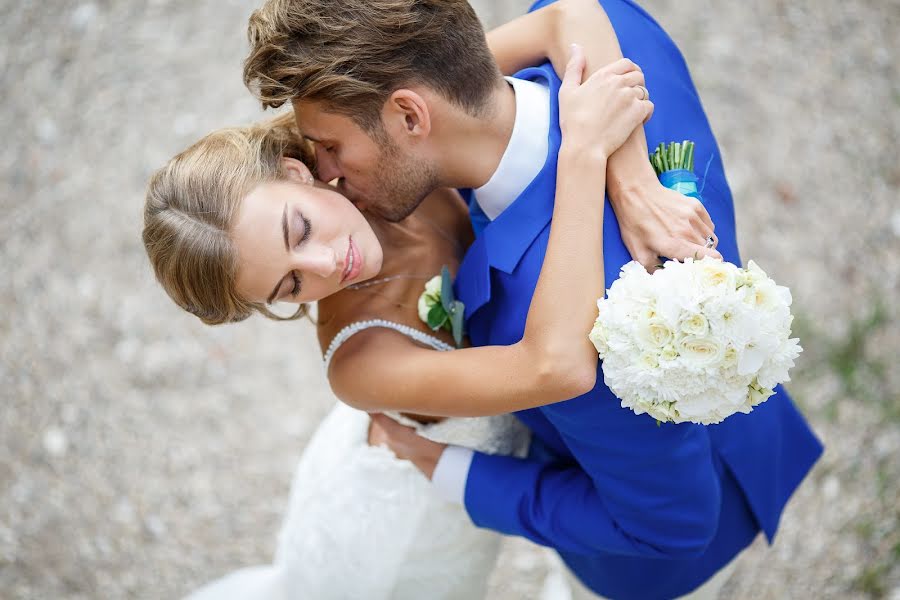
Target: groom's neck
x: 471, y: 147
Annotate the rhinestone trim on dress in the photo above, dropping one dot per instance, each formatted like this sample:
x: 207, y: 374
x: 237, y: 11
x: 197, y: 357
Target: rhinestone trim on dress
x: 353, y: 328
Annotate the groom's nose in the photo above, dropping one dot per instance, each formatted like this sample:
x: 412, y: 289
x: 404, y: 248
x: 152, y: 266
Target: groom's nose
x: 326, y: 167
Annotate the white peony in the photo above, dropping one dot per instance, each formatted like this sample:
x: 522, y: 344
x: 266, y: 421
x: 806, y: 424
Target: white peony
x: 695, y: 341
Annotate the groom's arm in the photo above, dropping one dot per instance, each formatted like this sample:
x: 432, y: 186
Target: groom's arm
x: 635, y: 490
x: 654, y: 220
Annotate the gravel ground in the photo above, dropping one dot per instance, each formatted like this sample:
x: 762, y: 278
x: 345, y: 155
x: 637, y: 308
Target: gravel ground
x: 142, y: 454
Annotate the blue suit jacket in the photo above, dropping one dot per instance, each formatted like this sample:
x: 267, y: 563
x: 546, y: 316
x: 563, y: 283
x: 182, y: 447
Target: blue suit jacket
x: 636, y: 510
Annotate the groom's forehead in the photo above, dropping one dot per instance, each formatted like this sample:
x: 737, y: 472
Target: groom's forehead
x: 315, y: 120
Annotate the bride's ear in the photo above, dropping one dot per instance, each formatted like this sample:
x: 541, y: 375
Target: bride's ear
x: 296, y: 171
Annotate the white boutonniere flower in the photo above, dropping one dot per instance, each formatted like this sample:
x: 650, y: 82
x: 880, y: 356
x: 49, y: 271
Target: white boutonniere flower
x: 439, y: 309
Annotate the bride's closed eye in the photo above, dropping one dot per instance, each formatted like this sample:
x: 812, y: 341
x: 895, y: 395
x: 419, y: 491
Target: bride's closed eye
x: 295, y: 291
x: 307, y: 231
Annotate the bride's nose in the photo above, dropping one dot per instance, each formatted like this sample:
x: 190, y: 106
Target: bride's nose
x: 318, y: 260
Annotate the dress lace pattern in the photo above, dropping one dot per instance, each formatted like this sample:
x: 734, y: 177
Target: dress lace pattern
x: 362, y: 524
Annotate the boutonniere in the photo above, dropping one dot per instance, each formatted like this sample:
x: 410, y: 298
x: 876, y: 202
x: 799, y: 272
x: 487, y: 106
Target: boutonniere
x: 439, y: 309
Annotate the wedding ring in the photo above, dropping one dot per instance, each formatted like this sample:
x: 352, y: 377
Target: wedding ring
x: 645, y: 93
x: 710, y: 242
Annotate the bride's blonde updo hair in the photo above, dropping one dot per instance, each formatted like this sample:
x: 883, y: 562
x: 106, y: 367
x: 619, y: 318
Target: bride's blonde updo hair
x: 190, y: 208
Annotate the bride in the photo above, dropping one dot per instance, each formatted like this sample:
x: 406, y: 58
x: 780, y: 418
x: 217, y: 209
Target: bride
x: 229, y: 216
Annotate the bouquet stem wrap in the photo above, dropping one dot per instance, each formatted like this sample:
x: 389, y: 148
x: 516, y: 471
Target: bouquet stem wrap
x: 682, y: 181
x: 674, y: 165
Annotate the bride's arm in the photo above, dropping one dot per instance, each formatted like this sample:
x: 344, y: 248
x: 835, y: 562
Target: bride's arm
x: 654, y: 220
x: 377, y: 370
x: 547, y: 33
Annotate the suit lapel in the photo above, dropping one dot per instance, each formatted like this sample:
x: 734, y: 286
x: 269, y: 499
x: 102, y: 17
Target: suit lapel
x: 503, y: 242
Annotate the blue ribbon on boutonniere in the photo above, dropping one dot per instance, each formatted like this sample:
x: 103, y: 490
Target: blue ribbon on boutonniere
x: 674, y: 165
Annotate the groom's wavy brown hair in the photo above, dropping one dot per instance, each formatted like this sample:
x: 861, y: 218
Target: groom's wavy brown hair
x: 351, y: 55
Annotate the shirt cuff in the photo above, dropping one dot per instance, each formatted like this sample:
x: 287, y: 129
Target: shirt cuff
x: 451, y: 472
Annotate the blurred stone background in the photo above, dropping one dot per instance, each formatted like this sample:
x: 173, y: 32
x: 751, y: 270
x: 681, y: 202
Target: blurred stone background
x: 142, y: 454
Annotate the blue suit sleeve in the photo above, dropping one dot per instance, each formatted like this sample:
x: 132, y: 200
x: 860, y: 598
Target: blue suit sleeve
x: 656, y: 496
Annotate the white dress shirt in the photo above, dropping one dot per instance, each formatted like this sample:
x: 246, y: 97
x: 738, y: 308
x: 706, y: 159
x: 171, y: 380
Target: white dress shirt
x: 523, y: 160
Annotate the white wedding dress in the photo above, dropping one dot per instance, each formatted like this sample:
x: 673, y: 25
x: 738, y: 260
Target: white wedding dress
x: 362, y: 524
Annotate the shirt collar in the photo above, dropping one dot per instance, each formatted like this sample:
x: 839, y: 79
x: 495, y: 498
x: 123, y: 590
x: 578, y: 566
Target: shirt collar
x: 526, y: 152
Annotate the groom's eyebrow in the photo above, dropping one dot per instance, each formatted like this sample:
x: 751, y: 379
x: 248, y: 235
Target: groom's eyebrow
x: 315, y: 138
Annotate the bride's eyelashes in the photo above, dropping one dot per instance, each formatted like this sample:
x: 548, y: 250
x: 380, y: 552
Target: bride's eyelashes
x: 307, y: 231
x: 295, y: 291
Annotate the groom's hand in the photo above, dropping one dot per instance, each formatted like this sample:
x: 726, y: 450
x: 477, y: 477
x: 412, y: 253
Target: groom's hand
x: 405, y: 443
x: 658, y: 222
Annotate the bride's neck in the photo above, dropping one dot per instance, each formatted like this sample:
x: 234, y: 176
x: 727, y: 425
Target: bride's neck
x: 393, y: 237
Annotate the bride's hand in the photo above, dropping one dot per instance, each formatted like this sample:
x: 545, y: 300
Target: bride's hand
x: 597, y: 116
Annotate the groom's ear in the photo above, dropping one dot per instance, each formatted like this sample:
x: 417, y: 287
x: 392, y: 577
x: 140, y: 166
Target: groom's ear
x: 406, y: 113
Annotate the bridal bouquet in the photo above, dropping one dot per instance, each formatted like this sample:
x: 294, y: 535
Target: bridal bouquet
x: 695, y: 341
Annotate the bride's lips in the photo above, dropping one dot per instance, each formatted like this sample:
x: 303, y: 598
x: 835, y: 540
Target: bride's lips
x: 353, y: 263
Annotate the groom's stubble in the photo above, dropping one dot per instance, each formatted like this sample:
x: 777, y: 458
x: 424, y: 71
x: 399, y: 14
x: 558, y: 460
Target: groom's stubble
x: 402, y: 183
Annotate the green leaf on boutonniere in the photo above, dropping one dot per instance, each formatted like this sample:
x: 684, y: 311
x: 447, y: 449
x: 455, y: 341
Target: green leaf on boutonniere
x: 437, y: 317
x: 457, y: 311
x: 446, y: 290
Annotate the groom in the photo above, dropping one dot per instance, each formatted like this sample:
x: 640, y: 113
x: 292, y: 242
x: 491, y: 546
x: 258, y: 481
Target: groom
x: 396, y: 95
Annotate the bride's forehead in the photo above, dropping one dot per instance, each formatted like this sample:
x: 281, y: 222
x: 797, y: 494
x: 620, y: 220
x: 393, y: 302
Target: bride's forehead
x: 261, y: 207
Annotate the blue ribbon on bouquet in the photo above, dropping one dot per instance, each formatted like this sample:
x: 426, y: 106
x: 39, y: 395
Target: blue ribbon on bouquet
x: 674, y: 165
x: 682, y: 181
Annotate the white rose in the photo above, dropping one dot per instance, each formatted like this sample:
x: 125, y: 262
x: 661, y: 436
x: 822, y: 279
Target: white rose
x: 424, y: 307
x: 695, y: 324
x: 430, y: 297
x: 700, y: 351
x: 433, y: 287
x: 717, y: 274
x: 655, y: 333
x: 668, y: 353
